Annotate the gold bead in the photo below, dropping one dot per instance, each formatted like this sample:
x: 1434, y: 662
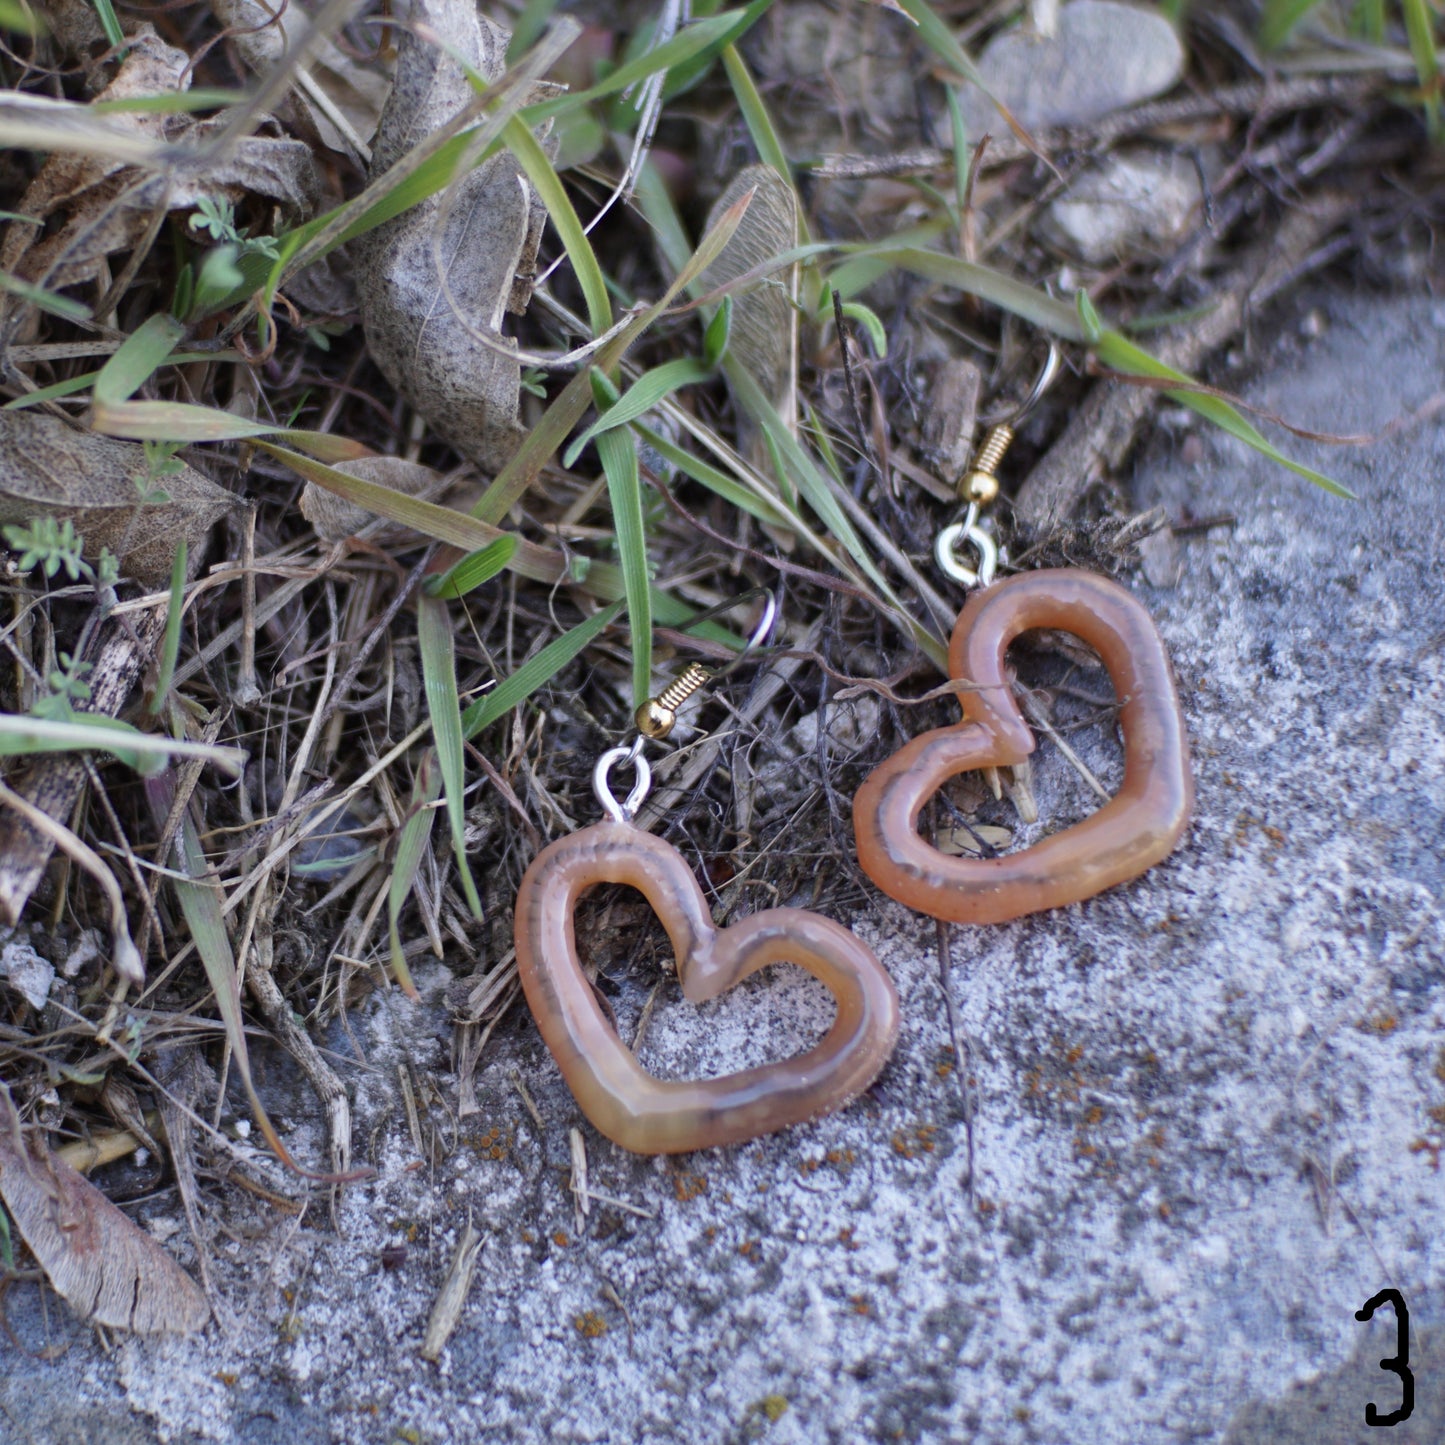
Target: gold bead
x: 654, y: 720
x: 980, y: 487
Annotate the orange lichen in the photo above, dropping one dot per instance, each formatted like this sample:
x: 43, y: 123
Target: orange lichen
x: 688, y: 1186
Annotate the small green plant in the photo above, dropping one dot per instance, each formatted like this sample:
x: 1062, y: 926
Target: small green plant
x: 51, y: 545
x: 219, y: 273
x: 218, y: 220
x: 161, y: 461
x: 67, y: 687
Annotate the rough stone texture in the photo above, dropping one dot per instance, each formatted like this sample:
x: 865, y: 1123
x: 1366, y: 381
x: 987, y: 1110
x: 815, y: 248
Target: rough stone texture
x: 1208, y: 1106
x: 1103, y: 56
x: 1129, y: 201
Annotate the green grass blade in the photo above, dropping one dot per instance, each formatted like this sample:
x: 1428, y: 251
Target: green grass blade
x: 410, y: 849
x: 176, y: 421
x: 85, y: 380
x: 383, y: 199
x: 535, y: 672
x: 171, y: 642
x: 439, y: 673
x: 1420, y: 28
x: 645, y: 393
x: 959, y: 134
x: 872, y: 323
x: 1369, y: 19
x: 545, y: 181
x: 731, y: 491
x: 1116, y: 350
x: 528, y: 27
x: 1025, y: 301
x: 171, y: 102
x: 55, y: 390
x: 755, y: 114
x: 618, y: 450
x: 816, y: 489
x: 695, y: 44
x: 473, y: 570
x: 21, y: 734
x: 547, y: 437
x: 655, y: 203
x: 43, y: 300
x: 1279, y: 17
x: 109, y: 22
x: 938, y: 37
x: 137, y: 358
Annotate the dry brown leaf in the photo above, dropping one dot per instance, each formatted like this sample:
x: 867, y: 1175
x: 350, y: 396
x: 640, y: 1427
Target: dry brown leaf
x: 337, y: 100
x: 73, y: 31
x: 485, y: 228
x: 109, y: 1270
x: 83, y: 208
x: 47, y: 469
x: 86, y: 185
x: 764, y: 335
x: 336, y: 519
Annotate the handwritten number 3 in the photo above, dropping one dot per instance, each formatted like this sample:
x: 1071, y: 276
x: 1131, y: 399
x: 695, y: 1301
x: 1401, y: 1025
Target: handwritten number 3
x: 1397, y: 1364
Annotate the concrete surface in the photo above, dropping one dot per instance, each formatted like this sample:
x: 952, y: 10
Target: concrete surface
x: 1208, y: 1107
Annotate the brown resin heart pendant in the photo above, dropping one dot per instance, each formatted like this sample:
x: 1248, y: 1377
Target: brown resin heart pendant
x: 656, y: 1116
x: 1135, y: 829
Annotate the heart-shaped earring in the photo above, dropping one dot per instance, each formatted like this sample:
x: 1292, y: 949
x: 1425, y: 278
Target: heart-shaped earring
x: 1135, y: 829
x: 630, y: 1106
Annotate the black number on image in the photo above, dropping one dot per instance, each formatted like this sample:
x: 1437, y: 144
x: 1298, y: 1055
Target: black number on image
x: 1396, y: 1364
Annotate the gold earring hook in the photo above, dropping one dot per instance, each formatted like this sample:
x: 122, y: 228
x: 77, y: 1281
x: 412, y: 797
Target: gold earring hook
x: 979, y: 487
x: 657, y: 717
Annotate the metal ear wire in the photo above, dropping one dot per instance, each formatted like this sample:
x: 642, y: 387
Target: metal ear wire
x: 657, y: 717
x: 979, y: 487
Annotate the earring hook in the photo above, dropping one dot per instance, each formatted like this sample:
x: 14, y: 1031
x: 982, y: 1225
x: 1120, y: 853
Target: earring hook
x: 980, y: 486
x: 1042, y: 383
x: 657, y: 717
x: 759, y: 634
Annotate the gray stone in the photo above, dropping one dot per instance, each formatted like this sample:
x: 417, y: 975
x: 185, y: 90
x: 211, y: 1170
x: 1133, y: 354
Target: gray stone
x: 1104, y: 56
x: 30, y: 975
x: 1205, y: 1106
x: 1131, y: 201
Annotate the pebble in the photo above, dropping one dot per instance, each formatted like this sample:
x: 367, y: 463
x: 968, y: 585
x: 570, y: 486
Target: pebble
x: 29, y: 974
x: 1103, y: 56
x: 1131, y: 201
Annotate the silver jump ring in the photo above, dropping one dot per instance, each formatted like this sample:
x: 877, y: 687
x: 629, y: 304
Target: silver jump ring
x: 947, y: 549
x: 622, y: 812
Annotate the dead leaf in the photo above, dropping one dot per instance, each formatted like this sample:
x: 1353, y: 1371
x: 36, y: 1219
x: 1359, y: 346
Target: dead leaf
x: 485, y: 228
x: 100, y: 186
x: 48, y: 469
x: 764, y: 336
x: 336, y: 519
x: 336, y: 99
x: 969, y: 842
x: 109, y: 1270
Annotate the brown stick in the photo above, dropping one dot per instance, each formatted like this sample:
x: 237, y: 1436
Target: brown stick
x: 1101, y: 432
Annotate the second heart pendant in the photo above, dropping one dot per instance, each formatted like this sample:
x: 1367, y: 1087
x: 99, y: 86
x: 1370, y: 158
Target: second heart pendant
x: 1135, y: 829
x: 657, y: 1116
